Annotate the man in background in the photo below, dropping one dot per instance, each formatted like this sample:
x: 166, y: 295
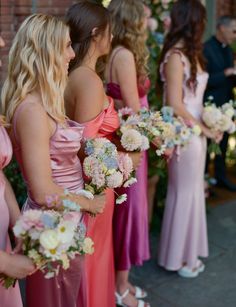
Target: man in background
x: 222, y: 79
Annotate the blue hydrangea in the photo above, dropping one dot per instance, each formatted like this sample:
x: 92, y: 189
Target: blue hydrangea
x: 110, y: 162
x: 48, y: 220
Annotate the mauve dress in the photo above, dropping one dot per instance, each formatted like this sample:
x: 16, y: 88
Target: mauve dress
x: 69, y: 287
x: 130, y: 220
x: 8, y: 297
x: 184, y: 232
x: 100, y: 265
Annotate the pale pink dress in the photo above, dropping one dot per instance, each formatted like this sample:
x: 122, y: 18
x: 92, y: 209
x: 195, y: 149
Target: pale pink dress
x: 184, y: 231
x: 69, y: 287
x: 8, y: 297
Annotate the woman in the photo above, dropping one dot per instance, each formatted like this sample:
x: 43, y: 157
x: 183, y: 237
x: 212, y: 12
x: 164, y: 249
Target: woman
x: 91, y: 37
x: 16, y: 266
x: 45, y: 142
x: 127, y: 83
x: 184, y: 233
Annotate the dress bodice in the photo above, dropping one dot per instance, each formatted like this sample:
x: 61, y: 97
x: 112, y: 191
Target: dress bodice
x: 104, y: 124
x: 65, y: 165
x: 193, y: 100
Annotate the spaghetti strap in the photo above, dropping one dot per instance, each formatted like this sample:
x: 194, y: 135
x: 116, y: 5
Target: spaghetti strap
x: 112, y: 60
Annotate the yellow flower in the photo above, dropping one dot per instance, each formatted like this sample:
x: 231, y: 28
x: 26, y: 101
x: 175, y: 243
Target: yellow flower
x: 88, y: 247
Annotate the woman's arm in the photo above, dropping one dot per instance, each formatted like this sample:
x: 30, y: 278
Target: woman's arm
x: 12, y: 204
x: 174, y: 72
x: 126, y: 75
x: 34, y: 129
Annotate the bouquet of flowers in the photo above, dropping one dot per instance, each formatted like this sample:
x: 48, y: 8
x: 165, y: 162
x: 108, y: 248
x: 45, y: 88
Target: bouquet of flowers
x: 105, y: 168
x: 51, y: 239
x: 177, y: 131
x: 218, y: 119
x: 132, y: 136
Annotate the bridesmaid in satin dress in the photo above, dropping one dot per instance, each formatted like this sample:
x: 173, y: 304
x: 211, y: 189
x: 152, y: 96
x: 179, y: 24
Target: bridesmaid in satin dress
x: 87, y: 103
x: 127, y: 83
x: 45, y: 142
x: 16, y: 266
x: 184, y: 230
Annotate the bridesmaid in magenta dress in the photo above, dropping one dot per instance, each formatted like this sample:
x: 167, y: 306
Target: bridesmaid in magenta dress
x: 184, y: 230
x: 45, y: 142
x: 91, y: 107
x: 128, y: 85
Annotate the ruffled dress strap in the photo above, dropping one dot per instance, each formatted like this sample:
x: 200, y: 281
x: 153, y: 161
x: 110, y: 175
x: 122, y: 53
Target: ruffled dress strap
x: 183, y: 59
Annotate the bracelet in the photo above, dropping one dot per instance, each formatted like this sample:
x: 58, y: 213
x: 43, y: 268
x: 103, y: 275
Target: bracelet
x: 69, y: 204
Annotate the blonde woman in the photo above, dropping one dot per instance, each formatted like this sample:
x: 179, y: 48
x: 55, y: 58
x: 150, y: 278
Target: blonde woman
x: 128, y: 84
x: 45, y: 142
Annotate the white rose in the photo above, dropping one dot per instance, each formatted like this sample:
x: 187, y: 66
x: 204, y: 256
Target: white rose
x: 49, y: 239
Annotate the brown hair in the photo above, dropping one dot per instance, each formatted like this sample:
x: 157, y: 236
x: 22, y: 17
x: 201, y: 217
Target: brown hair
x: 82, y: 18
x: 128, y: 30
x: 188, y: 19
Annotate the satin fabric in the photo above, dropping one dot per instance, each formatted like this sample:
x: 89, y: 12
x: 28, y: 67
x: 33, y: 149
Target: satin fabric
x: 8, y: 297
x: 130, y: 221
x: 184, y: 231
x: 69, y: 287
x: 100, y: 265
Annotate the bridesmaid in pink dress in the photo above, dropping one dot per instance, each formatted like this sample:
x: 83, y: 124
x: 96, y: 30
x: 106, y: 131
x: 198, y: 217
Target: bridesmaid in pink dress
x: 91, y: 107
x: 184, y: 231
x: 16, y: 266
x: 45, y: 142
x: 128, y: 85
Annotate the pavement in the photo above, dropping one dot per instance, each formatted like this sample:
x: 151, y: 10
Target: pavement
x: 215, y: 287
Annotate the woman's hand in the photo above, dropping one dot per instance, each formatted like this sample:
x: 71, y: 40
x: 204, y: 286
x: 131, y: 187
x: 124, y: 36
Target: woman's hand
x: 169, y: 152
x: 219, y: 137
x: 16, y: 266
x: 136, y: 158
x: 97, y: 205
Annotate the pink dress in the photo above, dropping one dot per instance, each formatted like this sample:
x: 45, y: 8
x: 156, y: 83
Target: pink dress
x: 8, y: 297
x: 66, y: 289
x: 130, y: 221
x: 100, y: 265
x: 184, y: 232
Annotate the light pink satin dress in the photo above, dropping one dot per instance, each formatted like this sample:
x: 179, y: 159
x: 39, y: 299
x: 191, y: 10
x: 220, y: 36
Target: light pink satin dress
x: 8, y: 297
x: 100, y: 265
x: 69, y: 287
x: 184, y: 231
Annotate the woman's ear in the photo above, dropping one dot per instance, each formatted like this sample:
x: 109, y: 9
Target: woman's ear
x: 94, y: 32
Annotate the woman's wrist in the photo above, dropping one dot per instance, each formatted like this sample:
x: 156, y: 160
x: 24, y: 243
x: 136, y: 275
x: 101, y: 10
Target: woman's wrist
x: 2, y: 261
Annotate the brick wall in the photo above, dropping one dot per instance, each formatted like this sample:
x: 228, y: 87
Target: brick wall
x: 226, y: 7
x: 13, y: 12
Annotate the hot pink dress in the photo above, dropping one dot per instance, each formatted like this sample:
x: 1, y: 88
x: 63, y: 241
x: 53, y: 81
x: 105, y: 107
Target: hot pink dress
x: 184, y: 232
x: 8, y: 297
x: 100, y: 265
x: 130, y: 221
x: 69, y: 287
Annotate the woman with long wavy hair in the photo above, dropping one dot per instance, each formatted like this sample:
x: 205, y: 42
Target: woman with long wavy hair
x: 13, y: 265
x: 88, y: 104
x: 45, y: 142
x: 184, y: 232
x: 127, y: 83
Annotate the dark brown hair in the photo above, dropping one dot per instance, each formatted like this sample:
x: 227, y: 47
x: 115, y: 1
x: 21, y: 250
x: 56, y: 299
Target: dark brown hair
x: 188, y: 19
x: 82, y: 18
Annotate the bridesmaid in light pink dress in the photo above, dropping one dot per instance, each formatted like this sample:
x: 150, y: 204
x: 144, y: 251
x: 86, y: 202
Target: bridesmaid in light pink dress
x: 8, y: 297
x: 184, y: 231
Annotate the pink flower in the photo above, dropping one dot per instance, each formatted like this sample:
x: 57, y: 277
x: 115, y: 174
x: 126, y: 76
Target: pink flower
x: 125, y: 165
x: 126, y: 111
x: 72, y: 216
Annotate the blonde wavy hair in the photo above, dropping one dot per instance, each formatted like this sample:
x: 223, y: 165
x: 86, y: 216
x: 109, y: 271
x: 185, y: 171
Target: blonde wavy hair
x: 128, y: 30
x: 36, y: 64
